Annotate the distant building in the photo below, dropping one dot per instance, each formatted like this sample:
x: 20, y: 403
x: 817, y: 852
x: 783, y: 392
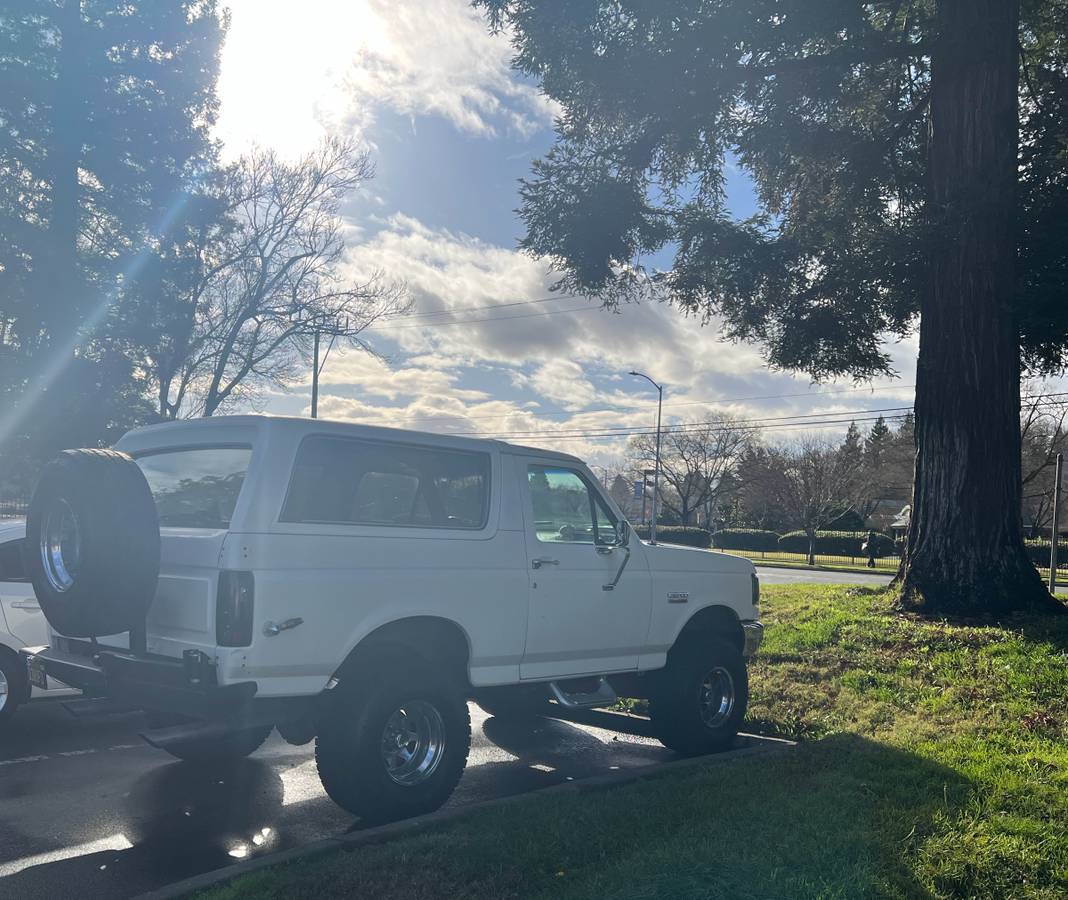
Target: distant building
x: 899, y: 525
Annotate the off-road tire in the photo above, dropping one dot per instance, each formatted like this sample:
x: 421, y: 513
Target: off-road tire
x: 348, y: 748
x: 675, y: 706
x: 18, y: 689
x: 113, y: 573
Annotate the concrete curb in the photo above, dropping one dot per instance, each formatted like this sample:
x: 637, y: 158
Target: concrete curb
x: 408, y: 827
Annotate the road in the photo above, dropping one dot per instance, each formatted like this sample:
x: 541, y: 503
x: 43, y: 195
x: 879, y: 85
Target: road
x: 89, y: 810
x: 777, y: 575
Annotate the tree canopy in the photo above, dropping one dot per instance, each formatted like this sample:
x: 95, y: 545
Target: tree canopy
x: 827, y: 106
x: 105, y: 116
x: 909, y: 164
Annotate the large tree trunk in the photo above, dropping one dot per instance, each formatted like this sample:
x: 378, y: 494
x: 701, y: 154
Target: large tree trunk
x: 965, y: 550
x: 61, y: 296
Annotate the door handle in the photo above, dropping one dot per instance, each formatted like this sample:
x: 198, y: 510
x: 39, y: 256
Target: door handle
x: 273, y: 629
x: 25, y: 604
x: 543, y: 561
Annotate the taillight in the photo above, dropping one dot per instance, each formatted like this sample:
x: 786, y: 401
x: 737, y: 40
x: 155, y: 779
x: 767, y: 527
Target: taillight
x: 756, y: 590
x: 233, y: 609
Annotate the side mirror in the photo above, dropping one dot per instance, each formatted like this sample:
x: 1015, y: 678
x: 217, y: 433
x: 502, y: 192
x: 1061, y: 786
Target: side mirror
x: 622, y: 533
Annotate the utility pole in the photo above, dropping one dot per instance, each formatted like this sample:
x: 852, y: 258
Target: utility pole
x: 1056, y: 524
x: 335, y: 329
x: 656, y: 470
x: 315, y: 375
x: 645, y: 493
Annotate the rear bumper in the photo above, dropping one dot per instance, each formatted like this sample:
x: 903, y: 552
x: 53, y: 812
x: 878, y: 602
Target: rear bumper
x: 185, y: 686
x: 754, y: 636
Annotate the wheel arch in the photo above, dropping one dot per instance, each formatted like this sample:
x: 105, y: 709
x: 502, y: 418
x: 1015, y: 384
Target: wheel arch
x: 435, y: 638
x: 22, y: 685
x: 715, y: 621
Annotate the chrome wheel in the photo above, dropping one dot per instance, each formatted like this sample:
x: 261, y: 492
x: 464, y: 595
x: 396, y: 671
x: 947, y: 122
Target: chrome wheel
x: 61, y: 545
x: 716, y: 697
x: 3, y: 690
x: 413, y: 743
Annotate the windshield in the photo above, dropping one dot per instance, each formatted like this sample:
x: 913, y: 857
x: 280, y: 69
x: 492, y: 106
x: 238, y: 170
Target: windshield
x: 196, y: 488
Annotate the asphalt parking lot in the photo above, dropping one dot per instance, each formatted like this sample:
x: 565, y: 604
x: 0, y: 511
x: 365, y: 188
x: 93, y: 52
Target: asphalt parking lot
x: 89, y: 810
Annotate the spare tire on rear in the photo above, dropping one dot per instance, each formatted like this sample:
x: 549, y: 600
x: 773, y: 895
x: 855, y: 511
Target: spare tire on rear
x: 92, y: 543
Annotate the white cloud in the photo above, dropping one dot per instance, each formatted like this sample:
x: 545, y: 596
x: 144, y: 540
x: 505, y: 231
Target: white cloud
x: 479, y: 376
x: 290, y: 74
x: 563, y: 381
x: 437, y: 57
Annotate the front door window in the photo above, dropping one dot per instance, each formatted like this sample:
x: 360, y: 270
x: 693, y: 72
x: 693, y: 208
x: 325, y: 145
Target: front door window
x: 566, y: 511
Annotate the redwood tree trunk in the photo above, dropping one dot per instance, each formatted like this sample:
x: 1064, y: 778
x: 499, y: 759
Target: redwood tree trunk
x: 61, y: 296
x: 965, y: 549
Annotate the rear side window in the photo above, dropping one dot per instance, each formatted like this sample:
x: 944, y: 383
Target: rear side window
x: 198, y: 487
x: 352, y: 482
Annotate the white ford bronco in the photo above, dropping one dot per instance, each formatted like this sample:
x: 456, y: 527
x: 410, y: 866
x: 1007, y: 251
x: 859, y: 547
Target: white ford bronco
x: 357, y: 585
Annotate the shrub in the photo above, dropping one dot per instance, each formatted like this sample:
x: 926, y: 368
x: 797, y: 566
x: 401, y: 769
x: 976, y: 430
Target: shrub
x: 678, y: 534
x: 753, y: 539
x: 836, y: 543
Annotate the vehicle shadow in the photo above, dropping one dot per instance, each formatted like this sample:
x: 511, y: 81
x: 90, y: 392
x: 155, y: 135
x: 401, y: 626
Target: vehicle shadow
x: 181, y: 819
x: 524, y: 754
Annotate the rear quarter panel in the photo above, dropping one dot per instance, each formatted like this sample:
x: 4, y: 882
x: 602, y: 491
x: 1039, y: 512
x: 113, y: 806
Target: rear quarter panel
x: 346, y: 586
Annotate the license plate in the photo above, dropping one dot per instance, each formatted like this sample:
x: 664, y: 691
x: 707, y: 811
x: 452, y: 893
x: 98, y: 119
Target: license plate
x: 38, y: 678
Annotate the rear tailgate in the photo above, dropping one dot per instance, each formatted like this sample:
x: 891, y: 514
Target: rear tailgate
x: 182, y: 616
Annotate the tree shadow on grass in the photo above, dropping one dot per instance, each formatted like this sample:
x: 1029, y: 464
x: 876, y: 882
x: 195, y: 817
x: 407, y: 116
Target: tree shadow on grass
x: 1051, y: 629
x: 842, y: 817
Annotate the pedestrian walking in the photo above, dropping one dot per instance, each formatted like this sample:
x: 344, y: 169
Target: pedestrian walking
x: 869, y: 548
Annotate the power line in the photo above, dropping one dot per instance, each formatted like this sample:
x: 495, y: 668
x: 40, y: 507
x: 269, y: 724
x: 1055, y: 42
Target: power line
x: 796, y: 421
x: 778, y: 426
x: 683, y: 426
x: 428, y: 325
x: 650, y: 407
x: 456, y: 309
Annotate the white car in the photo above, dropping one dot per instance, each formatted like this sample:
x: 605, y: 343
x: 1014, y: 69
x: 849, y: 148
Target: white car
x: 22, y: 623
x: 359, y: 584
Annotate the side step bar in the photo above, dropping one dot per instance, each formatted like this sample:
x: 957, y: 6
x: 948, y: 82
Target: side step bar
x: 97, y: 706
x: 602, y: 696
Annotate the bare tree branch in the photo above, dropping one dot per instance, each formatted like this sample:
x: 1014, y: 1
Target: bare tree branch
x: 270, y: 280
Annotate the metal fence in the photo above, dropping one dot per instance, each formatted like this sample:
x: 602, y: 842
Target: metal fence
x: 886, y: 564
x: 828, y: 560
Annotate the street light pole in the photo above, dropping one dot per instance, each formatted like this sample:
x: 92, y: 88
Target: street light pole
x: 1055, y: 533
x: 656, y: 465
x: 315, y: 375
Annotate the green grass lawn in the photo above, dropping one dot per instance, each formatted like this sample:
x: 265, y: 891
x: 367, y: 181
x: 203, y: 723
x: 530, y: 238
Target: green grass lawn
x: 934, y: 763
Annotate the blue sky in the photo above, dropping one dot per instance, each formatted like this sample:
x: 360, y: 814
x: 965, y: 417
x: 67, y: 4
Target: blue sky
x: 452, y: 129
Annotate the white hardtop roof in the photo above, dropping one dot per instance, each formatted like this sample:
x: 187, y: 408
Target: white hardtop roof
x: 170, y: 434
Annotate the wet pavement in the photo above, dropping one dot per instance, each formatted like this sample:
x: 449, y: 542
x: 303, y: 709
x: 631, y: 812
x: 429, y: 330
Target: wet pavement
x: 88, y: 810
